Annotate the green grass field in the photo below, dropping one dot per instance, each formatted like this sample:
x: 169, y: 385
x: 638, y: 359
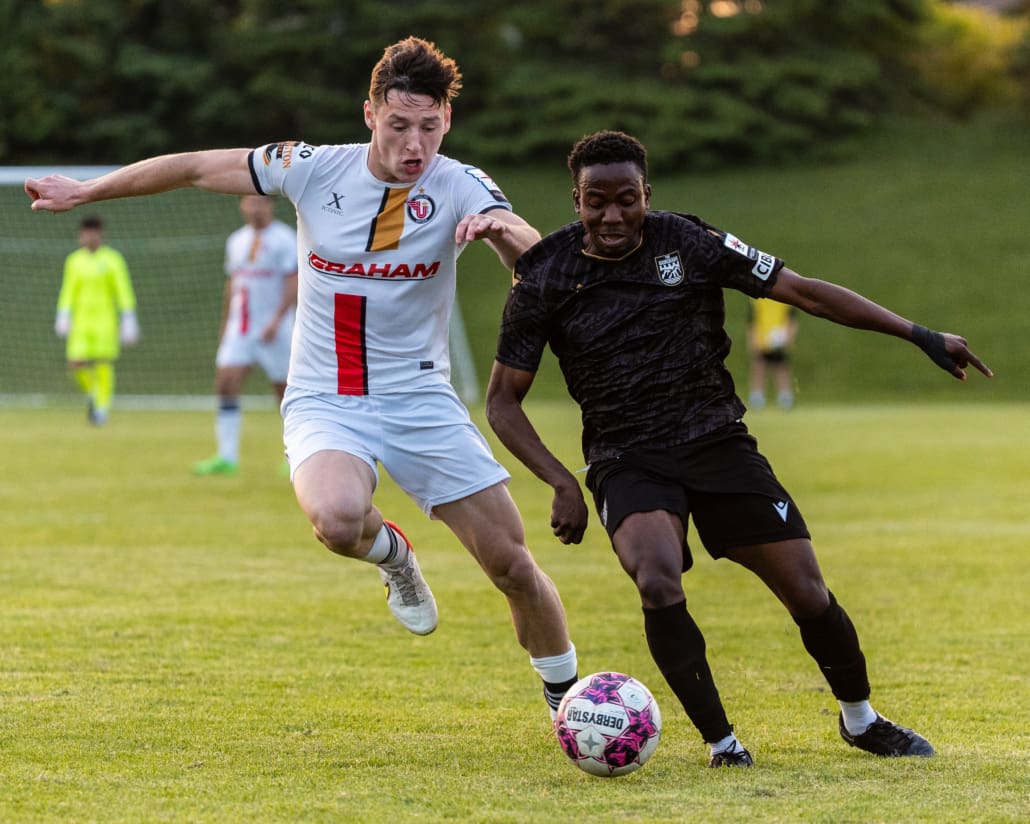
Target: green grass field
x: 177, y: 649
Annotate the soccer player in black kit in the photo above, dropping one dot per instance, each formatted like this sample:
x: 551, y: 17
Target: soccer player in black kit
x: 630, y: 301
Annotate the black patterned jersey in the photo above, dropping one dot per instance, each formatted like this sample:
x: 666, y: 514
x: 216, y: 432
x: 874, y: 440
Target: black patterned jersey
x: 640, y: 340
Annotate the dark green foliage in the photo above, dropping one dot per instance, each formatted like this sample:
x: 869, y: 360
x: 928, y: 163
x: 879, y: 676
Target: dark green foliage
x: 107, y: 81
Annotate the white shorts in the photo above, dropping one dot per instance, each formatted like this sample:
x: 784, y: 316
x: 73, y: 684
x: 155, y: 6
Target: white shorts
x: 246, y: 349
x: 425, y: 440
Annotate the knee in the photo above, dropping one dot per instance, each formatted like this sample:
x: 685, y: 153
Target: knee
x: 514, y: 572
x: 658, y: 588
x: 808, y: 598
x: 341, y: 533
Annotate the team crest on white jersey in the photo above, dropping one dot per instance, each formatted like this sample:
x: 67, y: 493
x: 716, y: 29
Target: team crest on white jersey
x: 670, y: 268
x: 421, y: 208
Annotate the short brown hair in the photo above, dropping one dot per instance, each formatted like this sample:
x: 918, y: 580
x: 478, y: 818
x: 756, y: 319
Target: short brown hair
x: 415, y: 66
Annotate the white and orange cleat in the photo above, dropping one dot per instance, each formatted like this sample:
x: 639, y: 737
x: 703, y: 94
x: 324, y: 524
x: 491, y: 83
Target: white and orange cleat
x: 407, y: 593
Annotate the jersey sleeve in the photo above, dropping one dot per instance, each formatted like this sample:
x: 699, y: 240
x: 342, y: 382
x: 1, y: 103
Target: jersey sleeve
x: 522, y: 337
x: 65, y: 298
x: 125, y: 296
x: 479, y: 193
x: 227, y: 262
x: 282, y: 168
x: 732, y: 263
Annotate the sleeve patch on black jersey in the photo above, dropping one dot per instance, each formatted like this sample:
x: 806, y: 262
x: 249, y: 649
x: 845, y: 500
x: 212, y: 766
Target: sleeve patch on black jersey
x: 737, y: 245
x: 764, y: 262
x: 764, y: 266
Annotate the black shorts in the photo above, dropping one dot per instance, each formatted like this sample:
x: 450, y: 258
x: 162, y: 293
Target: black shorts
x: 720, y: 480
x: 775, y: 356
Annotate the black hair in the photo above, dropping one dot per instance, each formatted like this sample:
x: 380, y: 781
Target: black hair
x: 607, y: 147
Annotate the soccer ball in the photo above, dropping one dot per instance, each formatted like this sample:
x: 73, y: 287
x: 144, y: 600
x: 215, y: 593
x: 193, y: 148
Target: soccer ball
x: 608, y: 724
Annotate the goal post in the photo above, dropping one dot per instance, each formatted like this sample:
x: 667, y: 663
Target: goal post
x: 174, y: 244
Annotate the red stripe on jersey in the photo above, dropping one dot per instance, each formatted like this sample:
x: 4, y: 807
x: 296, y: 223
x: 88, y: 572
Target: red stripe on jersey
x: 351, y: 365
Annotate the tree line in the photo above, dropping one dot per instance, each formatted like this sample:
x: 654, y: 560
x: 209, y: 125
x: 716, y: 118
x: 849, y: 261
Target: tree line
x: 703, y: 82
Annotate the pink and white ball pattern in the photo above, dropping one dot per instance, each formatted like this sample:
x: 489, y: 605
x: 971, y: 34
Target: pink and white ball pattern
x: 608, y: 724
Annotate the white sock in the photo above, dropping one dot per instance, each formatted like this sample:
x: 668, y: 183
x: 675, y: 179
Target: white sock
x: 388, y: 548
x: 858, y: 715
x: 728, y: 744
x: 556, y: 669
x: 228, y: 423
x: 558, y: 672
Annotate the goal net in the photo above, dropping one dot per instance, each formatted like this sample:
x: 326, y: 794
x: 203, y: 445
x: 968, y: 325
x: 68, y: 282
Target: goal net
x: 174, y: 245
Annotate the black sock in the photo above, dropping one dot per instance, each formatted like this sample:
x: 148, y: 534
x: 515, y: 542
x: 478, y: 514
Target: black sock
x: 553, y: 693
x: 678, y: 648
x: 832, y: 641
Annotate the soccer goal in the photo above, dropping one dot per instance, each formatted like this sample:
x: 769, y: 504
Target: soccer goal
x: 174, y: 245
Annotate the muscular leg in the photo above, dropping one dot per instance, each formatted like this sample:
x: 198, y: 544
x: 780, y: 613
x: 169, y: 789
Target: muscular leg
x: 756, y: 380
x: 334, y: 489
x: 83, y: 374
x: 228, y: 420
x: 790, y: 570
x: 650, y: 548
x: 278, y: 390
x: 488, y: 524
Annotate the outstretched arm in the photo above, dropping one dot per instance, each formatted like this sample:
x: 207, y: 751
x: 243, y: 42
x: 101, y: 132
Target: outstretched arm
x: 841, y: 305
x: 505, y: 232
x: 216, y: 170
x: 508, y: 419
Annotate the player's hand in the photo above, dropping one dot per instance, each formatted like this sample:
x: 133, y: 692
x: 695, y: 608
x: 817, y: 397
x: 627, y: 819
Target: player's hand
x: 479, y: 227
x: 128, y: 329
x: 63, y: 324
x: 268, y: 333
x: 568, y: 514
x: 950, y: 352
x: 54, y: 193
x: 962, y: 357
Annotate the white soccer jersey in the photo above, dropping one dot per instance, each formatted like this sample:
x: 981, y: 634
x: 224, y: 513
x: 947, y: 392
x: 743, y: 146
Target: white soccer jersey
x: 376, y: 263
x: 258, y: 261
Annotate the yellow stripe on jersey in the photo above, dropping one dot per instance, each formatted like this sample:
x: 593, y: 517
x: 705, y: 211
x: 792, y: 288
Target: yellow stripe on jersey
x: 255, y: 247
x: 389, y: 223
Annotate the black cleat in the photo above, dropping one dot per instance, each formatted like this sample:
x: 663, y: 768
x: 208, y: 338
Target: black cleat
x: 886, y: 738
x: 737, y: 758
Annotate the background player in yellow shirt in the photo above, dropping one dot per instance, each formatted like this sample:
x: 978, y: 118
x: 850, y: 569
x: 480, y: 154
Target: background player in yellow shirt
x: 96, y: 313
x: 772, y: 328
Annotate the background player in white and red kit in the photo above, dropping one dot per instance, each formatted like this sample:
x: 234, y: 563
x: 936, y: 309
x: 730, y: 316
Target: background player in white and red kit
x: 257, y: 321
x: 380, y: 226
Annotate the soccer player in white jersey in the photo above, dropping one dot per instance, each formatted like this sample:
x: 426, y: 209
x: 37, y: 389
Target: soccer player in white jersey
x: 257, y: 321
x: 380, y: 226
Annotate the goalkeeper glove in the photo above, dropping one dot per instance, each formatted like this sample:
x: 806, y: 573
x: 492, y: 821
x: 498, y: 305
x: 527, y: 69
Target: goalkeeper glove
x: 128, y: 329
x: 63, y: 323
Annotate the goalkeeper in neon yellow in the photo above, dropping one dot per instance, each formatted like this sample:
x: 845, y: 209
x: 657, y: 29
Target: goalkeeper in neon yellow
x: 96, y: 314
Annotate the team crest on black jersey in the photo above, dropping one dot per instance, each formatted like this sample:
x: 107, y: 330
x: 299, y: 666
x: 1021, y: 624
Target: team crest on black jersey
x: 670, y: 268
x: 421, y: 208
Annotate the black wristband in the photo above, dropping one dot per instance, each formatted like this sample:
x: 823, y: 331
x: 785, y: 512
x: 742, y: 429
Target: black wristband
x: 932, y: 343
